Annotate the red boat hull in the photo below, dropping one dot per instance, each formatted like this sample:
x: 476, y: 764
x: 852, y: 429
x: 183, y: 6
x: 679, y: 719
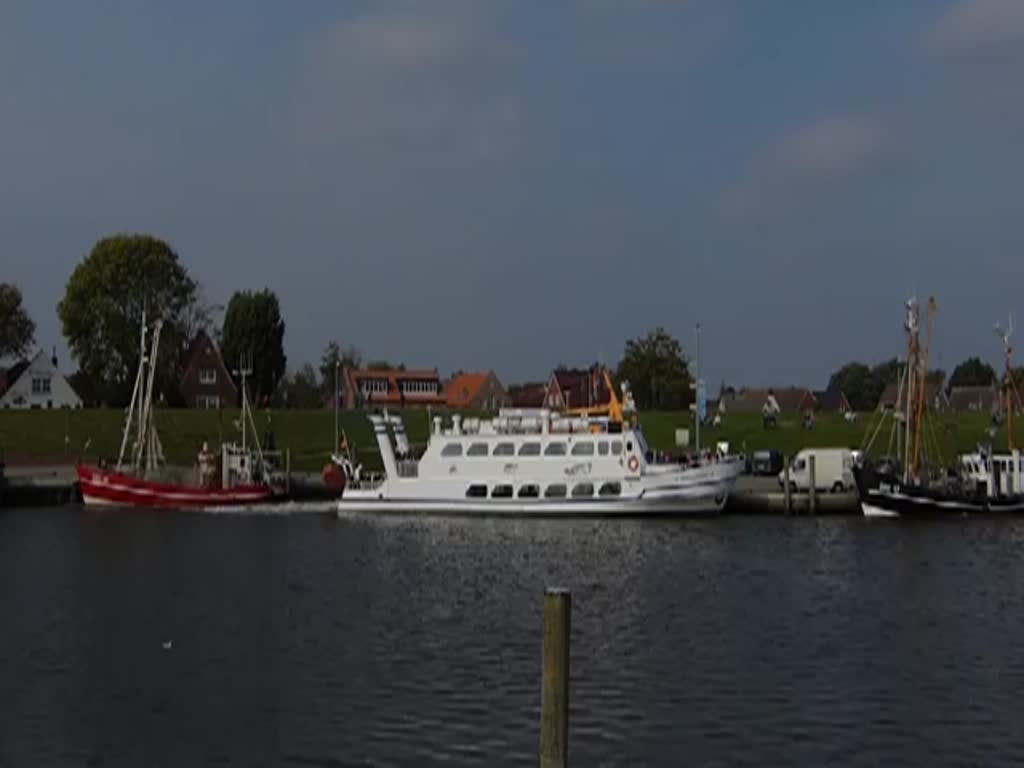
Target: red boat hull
x: 102, y: 487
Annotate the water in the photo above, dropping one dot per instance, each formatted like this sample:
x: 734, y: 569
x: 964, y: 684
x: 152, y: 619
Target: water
x: 166, y: 640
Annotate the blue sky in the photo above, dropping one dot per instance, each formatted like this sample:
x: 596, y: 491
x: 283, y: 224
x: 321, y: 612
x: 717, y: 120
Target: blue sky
x: 513, y: 185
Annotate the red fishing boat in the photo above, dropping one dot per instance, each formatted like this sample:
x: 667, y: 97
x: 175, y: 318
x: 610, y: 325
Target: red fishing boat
x: 242, y: 475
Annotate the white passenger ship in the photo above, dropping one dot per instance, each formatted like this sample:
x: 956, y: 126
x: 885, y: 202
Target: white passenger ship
x: 534, y: 461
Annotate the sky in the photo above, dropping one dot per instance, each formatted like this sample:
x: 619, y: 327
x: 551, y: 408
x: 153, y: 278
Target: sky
x: 517, y: 185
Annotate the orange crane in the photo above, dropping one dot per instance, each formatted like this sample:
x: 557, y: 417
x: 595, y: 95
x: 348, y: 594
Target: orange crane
x: 613, y: 408
x: 922, y: 392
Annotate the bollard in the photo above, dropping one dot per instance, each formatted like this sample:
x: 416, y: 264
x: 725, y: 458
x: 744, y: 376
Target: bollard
x: 812, y: 489
x: 554, y: 698
x: 789, y: 492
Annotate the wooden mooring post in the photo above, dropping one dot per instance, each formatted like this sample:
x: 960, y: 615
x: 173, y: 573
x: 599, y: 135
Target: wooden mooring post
x: 788, y: 489
x: 812, y: 480
x: 554, y: 698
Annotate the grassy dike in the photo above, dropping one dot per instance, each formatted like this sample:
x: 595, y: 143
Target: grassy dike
x: 39, y: 436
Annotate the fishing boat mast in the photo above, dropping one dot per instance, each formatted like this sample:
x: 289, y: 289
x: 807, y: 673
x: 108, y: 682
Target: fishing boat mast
x: 147, y: 452
x: 1009, y: 386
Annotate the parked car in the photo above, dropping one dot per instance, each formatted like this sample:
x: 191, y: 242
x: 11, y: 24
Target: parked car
x: 766, y: 462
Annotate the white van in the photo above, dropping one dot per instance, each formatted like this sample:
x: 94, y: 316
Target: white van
x: 833, y: 470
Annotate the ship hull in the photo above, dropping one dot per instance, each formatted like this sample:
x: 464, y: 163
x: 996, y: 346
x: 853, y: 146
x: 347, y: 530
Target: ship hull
x: 703, y: 497
x: 105, y: 488
x: 887, y: 498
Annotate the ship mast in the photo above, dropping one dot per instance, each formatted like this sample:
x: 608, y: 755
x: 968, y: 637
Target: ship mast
x: 911, y: 326
x: 1009, y: 386
x: 922, y: 394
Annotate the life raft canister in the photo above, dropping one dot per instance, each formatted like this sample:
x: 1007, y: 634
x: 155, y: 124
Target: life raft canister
x: 633, y: 463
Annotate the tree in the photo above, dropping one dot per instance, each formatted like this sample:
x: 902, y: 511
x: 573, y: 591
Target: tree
x: 16, y: 327
x: 972, y: 372
x: 253, y: 329
x: 657, y: 371
x: 860, y: 384
x: 302, y: 389
x: 335, y: 355
x: 101, y: 313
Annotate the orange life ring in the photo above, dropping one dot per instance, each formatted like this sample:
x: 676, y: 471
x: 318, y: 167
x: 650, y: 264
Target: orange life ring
x: 633, y: 463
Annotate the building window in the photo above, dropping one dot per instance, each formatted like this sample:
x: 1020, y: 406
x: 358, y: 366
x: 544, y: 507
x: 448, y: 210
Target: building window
x: 504, y: 449
x: 529, y: 492
x: 477, y: 449
x: 583, y: 490
x: 583, y: 449
x: 452, y: 449
x: 555, y: 449
x: 556, y: 491
x: 208, y: 402
x: 610, y: 489
x: 529, y: 449
x: 207, y: 375
x: 40, y: 385
x: 373, y: 387
x: 501, y: 492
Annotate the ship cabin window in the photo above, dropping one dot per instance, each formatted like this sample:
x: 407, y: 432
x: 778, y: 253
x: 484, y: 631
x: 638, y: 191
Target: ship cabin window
x: 556, y: 491
x: 501, y: 492
x: 529, y: 492
x: 529, y: 449
x: 504, y: 449
x: 583, y: 449
x: 629, y: 446
x: 610, y: 489
x: 555, y: 449
x: 602, y: 448
x: 616, y: 447
x: 452, y: 449
x: 476, y: 492
x: 583, y: 490
x: 477, y: 449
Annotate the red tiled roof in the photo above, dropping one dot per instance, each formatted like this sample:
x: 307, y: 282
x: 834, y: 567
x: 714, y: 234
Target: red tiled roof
x: 461, y: 390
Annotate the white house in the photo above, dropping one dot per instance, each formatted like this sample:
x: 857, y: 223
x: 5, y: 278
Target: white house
x: 37, y: 383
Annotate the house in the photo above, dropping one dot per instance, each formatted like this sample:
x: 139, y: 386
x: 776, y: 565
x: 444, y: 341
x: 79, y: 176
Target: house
x: 937, y: 399
x: 530, y: 395
x: 825, y: 401
x: 363, y: 387
x: 37, y: 383
x: 575, y: 388
x: 753, y: 400
x: 205, y: 381
x: 975, y: 398
x: 476, y: 391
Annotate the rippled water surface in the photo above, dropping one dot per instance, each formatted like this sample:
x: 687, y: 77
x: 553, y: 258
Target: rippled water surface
x: 162, y: 639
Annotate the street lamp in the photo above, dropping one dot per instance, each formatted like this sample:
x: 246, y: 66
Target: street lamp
x: 696, y: 411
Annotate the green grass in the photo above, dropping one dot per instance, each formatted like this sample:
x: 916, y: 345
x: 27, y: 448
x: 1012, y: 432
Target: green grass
x: 40, y: 435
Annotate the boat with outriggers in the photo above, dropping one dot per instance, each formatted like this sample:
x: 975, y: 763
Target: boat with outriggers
x: 240, y: 475
x: 909, y: 484
x: 524, y: 462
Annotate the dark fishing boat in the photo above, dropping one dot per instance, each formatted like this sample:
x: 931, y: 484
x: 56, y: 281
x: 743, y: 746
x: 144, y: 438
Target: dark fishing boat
x: 979, y: 483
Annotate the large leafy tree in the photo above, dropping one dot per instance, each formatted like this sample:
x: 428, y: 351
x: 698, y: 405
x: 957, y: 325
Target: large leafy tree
x: 657, y: 371
x: 302, y: 388
x: 254, y: 331
x: 972, y: 372
x: 860, y: 384
x: 122, y: 278
x: 16, y: 327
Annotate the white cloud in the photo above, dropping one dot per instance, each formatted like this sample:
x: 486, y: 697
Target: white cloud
x: 971, y: 25
x: 831, y: 146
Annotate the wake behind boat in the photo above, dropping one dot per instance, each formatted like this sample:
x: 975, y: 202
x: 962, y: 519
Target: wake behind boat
x: 534, y: 462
